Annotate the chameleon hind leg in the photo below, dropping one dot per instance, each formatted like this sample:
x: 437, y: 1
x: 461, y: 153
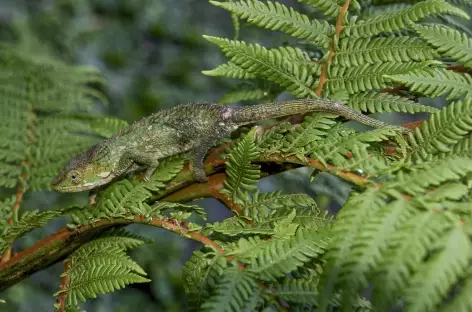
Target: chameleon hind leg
x: 208, y: 139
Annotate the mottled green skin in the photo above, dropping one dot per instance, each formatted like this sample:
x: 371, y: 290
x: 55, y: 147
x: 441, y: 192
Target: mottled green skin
x: 179, y: 129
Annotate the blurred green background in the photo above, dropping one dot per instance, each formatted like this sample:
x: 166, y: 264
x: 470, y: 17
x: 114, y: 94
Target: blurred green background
x: 151, y: 53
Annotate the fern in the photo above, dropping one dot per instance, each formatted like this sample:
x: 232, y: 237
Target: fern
x: 271, y: 64
x: 242, y: 175
x: 234, y: 290
x: 283, y: 256
x: 366, y: 77
x: 400, y: 19
x: 435, y: 82
x: 229, y: 70
x: 276, y: 16
x: 383, y: 102
x: 448, y: 42
x: 329, y: 8
x: 100, y: 267
x: 358, y: 51
x: 436, y: 135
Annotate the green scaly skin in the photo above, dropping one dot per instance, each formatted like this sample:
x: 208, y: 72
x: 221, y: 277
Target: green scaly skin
x: 179, y: 129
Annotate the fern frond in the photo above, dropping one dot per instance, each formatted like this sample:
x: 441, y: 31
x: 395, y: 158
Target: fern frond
x: 297, y: 290
x: 366, y: 77
x: 418, y: 178
x: 229, y: 70
x: 448, y: 42
x: 242, y: 176
x: 243, y: 94
x: 389, y: 22
x: 435, y: 82
x: 358, y: 51
x: 273, y: 65
x: 100, y: 278
x: 350, y: 221
x: 373, y: 102
x: 432, y: 282
x: 442, y: 131
x: 285, y: 255
x: 28, y: 222
x: 327, y: 7
x: 461, y: 300
x: 276, y: 16
x: 313, y: 128
x: 200, y: 275
x: 237, y: 226
x: 102, y: 266
x: 404, y: 253
x: 350, y: 151
x: 233, y: 292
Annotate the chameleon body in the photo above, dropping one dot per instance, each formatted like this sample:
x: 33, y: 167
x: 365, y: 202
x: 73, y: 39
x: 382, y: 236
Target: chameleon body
x: 179, y: 129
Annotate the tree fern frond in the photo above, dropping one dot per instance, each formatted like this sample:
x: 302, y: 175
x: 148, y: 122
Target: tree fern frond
x: 201, y: 274
x: 435, y: 82
x: 350, y: 150
x: 242, y: 176
x: 276, y: 16
x: 100, y: 280
x: 373, y: 102
x: 243, y: 94
x: 229, y: 70
x: 297, y: 290
x: 442, y: 131
x: 328, y: 7
x: 388, y: 22
x: 366, y: 77
x: 432, y: 282
x: 232, y: 293
x: 358, y: 51
x: 448, y: 42
x: 419, y: 177
x: 28, y: 222
x: 285, y: 255
x: 297, y: 78
x: 102, y: 266
x: 350, y: 221
x: 406, y: 249
x: 313, y: 128
x: 373, y: 10
x: 461, y: 300
x: 237, y: 226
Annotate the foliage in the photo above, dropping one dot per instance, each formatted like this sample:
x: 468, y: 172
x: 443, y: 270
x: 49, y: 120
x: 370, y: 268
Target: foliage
x: 404, y: 232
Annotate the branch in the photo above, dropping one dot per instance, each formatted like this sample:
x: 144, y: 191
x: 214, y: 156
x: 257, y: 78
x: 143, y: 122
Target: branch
x: 324, y: 67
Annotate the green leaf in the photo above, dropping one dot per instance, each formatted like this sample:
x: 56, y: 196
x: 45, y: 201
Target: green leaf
x: 328, y: 7
x: 358, y: 51
x: 448, y: 42
x: 229, y: 70
x: 435, y: 82
x: 276, y: 16
x: 233, y: 292
x: 366, y: 77
x: 276, y: 65
x: 373, y: 102
x: 388, y: 22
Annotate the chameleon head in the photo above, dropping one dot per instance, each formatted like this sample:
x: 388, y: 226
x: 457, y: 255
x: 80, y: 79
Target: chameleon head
x: 81, y: 174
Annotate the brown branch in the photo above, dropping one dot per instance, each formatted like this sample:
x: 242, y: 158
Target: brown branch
x: 61, y: 299
x: 324, y: 67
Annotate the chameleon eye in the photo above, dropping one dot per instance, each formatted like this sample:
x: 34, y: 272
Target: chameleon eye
x: 74, y: 176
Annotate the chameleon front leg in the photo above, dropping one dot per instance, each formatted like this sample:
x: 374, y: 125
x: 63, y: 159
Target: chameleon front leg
x: 133, y: 157
x: 207, y: 140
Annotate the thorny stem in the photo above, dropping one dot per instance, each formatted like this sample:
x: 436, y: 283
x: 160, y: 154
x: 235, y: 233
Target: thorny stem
x: 324, y: 67
x: 61, y: 299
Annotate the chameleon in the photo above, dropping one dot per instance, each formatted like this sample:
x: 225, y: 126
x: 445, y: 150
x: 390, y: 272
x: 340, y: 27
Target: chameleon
x: 182, y: 128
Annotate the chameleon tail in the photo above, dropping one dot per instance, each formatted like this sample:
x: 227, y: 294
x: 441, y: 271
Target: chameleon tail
x: 250, y: 114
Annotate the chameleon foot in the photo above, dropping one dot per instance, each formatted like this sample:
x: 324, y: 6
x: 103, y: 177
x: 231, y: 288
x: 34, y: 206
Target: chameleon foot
x: 200, y: 175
